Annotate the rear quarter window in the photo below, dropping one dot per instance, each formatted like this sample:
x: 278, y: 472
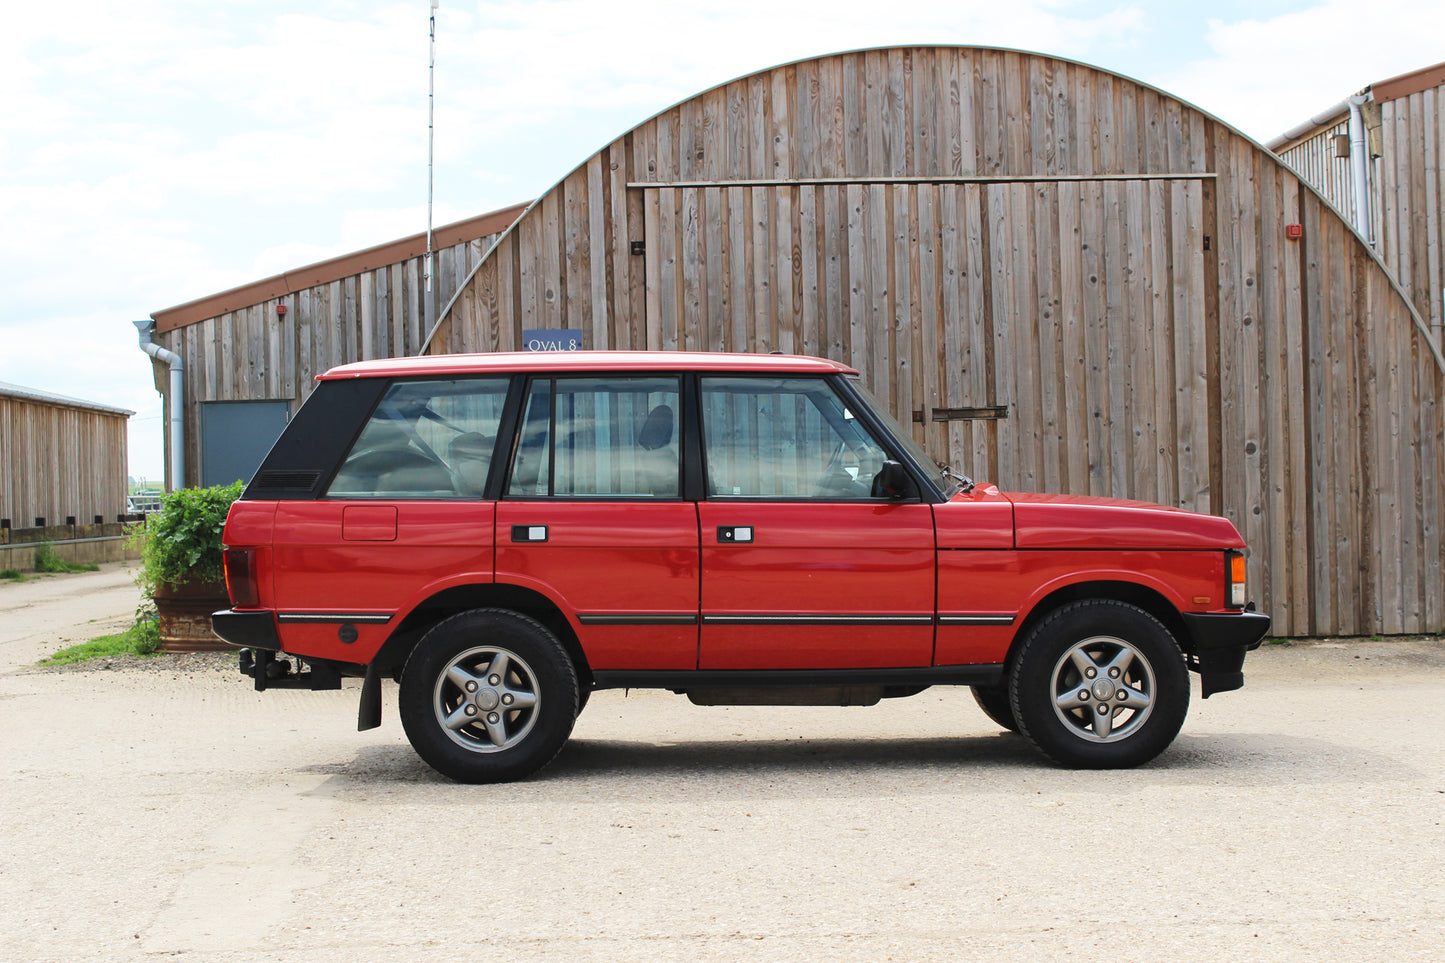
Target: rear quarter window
x: 426, y: 439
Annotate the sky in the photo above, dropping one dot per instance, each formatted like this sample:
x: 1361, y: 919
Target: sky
x: 156, y: 151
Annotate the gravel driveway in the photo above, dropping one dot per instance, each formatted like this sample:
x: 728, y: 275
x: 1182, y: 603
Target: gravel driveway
x: 171, y: 811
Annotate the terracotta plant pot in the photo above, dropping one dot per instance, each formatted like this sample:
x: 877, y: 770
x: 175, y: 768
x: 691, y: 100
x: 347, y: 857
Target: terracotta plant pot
x: 184, y: 615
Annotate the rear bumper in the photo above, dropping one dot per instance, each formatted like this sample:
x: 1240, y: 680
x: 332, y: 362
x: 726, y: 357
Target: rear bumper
x: 250, y: 630
x: 1220, y: 642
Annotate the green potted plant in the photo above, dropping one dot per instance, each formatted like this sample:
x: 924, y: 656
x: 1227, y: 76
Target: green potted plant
x: 181, y: 565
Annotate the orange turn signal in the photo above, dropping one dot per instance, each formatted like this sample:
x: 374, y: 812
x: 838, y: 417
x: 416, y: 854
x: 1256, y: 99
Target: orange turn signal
x: 1237, y: 591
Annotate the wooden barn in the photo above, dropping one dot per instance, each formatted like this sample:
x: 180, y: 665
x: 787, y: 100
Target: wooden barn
x: 1064, y: 279
x: 1401, y: 140
x: 249, y: 355
x: 64, y: 460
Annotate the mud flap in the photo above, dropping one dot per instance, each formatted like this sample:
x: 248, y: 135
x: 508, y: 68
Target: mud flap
x: 368, y: 713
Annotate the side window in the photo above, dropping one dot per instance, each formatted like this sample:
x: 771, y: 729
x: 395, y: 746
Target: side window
x: 598, y: 437
x: 426, y: 439
x: 785, y: 438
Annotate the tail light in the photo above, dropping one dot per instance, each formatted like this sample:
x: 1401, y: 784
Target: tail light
x: 1234, y: 579
x: 241, y: 583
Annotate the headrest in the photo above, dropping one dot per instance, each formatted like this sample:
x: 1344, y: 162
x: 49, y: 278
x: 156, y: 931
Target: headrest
x: 657, y: 429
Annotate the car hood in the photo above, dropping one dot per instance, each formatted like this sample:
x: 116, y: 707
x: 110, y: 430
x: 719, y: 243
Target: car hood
x: 1080, y: 521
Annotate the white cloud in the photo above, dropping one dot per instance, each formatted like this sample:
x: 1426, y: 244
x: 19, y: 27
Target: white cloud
x: 159, y: 150
x: 1267, y: 75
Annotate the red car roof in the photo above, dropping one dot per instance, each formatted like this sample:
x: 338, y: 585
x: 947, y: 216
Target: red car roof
x: 584, y: 361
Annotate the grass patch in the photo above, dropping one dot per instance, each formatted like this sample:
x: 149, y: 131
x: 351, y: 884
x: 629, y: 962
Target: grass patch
x: 142, y: 638
x: 12, y: 575
x: 47, y: 561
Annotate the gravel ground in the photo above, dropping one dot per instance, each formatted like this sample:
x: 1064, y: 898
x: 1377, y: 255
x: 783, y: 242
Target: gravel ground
x: 177, y: 664
x: 165, y: 809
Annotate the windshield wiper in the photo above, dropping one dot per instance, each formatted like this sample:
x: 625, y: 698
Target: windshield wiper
x: 965, y: 483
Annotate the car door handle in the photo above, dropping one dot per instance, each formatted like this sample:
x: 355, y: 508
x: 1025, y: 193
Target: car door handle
x: 734, y: 533
x: 529, y: 533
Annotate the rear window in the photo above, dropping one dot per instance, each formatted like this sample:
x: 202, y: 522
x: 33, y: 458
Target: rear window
x: 426, y: 439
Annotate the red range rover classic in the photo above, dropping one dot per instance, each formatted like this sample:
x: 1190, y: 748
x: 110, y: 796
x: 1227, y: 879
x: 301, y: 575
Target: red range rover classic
x: 503, y: 534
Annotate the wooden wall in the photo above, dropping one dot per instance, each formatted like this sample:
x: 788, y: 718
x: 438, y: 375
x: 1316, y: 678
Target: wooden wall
x: 1314, y: 160
x: 1411, y: 191
x: 253, y: 353
x: 1407, y: 192
x: 59, y: 461
x: 986, y: 231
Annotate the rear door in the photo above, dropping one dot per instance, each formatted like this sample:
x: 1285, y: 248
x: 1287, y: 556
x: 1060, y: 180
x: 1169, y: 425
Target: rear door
x: 801, y: 567
x: 593, y: 517
x: 403, y: 514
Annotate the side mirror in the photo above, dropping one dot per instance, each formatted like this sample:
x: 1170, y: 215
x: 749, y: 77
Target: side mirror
x: 894, y: 483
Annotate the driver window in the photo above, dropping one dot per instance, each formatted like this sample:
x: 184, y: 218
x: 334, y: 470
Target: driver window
x: 426, y: 439
x: 785, y: 438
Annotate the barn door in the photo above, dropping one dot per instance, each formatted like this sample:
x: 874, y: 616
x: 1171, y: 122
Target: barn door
x: 883, y: 277
x: 1097, y: 315
x: 1049, y: 335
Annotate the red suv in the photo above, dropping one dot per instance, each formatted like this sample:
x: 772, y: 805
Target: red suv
x: 503, y: 534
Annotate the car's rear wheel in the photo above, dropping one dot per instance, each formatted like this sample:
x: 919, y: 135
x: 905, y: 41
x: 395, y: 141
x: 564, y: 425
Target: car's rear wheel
x: 994, y: 701
x: 488, y: 696
x: 1100, y: 684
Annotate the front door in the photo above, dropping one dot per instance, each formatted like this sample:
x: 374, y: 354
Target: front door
x: 801, y: 566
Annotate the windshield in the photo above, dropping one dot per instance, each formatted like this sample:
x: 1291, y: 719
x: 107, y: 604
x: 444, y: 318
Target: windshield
x: 944, y: 477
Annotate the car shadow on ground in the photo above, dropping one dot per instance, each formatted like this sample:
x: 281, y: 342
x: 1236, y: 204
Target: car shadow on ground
x: 873, y: 764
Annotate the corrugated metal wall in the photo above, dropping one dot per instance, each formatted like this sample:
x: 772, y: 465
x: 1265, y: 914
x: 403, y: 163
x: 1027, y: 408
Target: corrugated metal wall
x: 983, y: 231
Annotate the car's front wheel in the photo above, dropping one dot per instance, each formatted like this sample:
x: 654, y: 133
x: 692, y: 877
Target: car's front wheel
x: 1100, y: 684
x: 488, y: 696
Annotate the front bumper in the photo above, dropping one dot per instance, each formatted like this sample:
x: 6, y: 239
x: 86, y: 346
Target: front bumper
x: 1220, y: 642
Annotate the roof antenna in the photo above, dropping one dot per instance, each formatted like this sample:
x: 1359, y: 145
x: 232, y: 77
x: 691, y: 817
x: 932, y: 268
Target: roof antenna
x: 430, y: 159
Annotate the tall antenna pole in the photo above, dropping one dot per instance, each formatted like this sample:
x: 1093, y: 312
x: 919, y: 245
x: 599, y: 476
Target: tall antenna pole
x: 430, y: 157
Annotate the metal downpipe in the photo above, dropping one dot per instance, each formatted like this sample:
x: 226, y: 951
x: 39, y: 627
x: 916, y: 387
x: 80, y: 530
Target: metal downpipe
x: 177, y: 472
x: 1360, y: 170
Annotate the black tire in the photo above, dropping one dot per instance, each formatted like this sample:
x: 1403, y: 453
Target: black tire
x: 1066, y: 667
x: 506, y: 725
x: 994, y: 701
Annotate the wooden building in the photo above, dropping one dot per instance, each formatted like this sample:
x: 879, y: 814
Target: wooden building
x: 1404, y: 121
x: 1064, y: 279
x: 62, y: 461
x: 249, y: 354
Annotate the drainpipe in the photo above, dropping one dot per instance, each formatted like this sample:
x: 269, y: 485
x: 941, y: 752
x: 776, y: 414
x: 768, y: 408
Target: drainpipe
x: 177, y: 399
x: 1359, y: 169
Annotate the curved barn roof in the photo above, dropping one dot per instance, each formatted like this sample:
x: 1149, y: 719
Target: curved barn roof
x: 1066, y: 279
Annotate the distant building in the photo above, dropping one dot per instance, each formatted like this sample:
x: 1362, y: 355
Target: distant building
x: 62, y: 461
x: 1400, y: 151
x: 249, y: 354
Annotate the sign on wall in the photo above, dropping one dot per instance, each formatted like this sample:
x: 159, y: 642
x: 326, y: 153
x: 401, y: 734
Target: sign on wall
x: 545, y: 339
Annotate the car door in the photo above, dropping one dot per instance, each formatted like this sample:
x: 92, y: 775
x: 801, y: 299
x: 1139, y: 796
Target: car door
x: 593, y: 517
x: 801, y: 567
x: 404, y: 513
